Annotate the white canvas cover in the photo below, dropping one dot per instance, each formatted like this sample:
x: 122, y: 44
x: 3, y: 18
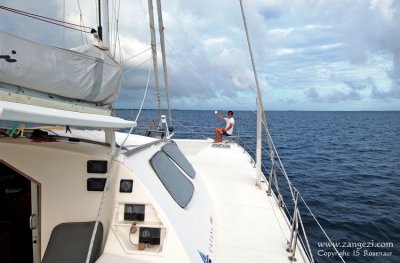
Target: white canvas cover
x: 85, y: 73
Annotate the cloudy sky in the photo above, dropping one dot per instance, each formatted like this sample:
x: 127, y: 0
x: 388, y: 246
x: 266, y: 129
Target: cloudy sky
x: 310, y: 54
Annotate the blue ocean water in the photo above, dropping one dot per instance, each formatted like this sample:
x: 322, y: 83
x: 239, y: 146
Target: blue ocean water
x: 345, y: 164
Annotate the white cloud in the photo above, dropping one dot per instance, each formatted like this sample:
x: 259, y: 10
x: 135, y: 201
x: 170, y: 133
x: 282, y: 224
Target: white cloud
x: 331, y: 46
x: 216, y: 42
x: 317, y: 27
x: 297, y: 45
x: 280, y: 32
x: 384, y: 7
x: 288, y: 51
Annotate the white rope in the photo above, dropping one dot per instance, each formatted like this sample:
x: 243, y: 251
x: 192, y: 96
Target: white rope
x: 114, y: 156
x: 144, y: 96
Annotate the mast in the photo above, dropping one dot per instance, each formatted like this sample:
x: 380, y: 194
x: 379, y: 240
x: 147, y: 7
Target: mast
x: 103, y: 28
x: 99, y: 28
x: 164, y: 59
x: 154, y: 54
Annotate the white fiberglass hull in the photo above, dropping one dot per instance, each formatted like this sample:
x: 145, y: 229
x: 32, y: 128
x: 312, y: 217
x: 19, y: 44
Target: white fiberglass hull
x: 228, y: 219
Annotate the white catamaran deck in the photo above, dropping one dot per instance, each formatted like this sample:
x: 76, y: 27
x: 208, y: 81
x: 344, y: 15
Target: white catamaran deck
x: 249, y: 227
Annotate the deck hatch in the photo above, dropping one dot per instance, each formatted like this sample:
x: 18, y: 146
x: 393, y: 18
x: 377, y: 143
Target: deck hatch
x: 177, y: 184
x: 172, y: 150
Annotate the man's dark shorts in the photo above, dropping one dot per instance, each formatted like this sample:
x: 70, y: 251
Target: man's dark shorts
x: 224, y: 133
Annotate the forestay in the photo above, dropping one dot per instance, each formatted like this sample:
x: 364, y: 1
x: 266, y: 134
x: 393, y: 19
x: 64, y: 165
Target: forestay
x: 85, y: 73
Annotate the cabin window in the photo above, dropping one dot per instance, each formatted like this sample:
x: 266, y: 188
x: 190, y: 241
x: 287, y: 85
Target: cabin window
x: 174, y: 180
x: 173, y: 152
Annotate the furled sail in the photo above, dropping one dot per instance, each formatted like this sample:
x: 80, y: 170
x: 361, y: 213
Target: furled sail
x: 85, y: 73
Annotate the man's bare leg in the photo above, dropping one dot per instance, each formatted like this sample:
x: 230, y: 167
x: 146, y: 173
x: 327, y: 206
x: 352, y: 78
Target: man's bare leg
x: 218, y: 135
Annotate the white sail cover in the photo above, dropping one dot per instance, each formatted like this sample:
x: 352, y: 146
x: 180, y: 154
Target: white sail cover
x: 85, y: 73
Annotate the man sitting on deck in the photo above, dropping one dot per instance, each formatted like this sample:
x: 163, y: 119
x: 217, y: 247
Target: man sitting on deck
x: 230, y: 122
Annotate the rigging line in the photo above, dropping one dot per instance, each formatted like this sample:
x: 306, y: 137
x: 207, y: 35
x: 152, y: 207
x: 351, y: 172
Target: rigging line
x: 113, y: 27
x: 63, y: 33
x: 320, y: 226
x: 81, y: 23
x: 243, y: 105
x: 192, y: 130
x: 264, y: 119
x: 145, y: 92
x: 251, y: 56
x: 202, y: 76
x: 116, y: 37
x: 138, y: 54
x: 110, y: 8
x: 280, y: 165
x: 120, y: 50
x: 259, y: 99
x: 117, y: 25
x: 43, y: 18
x: 100, y: 211
x: 50, y: 22
x: 112, y: 22
x: 259, y: 95
x: 128, y: 70
x: 104, y: 193
x: 304, y: 234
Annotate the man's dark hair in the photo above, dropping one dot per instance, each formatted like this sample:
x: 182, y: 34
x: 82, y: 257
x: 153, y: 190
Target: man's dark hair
x: 230, y: 112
